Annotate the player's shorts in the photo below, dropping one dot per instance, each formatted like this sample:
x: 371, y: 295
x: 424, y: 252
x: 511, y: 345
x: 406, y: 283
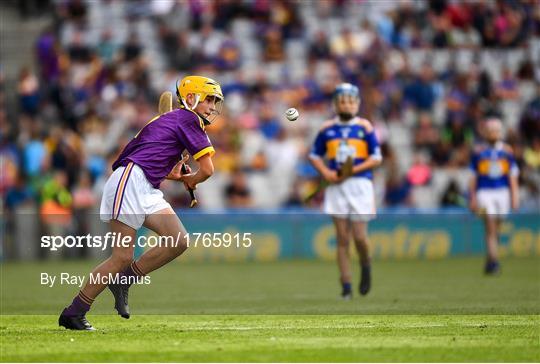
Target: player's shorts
x: 353, y: 199
x: 494, y: 201
x: 128, y: 197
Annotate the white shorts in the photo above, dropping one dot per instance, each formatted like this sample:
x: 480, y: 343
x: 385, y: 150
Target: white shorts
x: 353, y: 199
x: 495, y: 201
x: 128, y: 197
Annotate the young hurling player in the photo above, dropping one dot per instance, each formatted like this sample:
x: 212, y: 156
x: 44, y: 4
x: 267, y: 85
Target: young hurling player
x: 351, y: 201
x: 494, y: 187
x: 131, y: 196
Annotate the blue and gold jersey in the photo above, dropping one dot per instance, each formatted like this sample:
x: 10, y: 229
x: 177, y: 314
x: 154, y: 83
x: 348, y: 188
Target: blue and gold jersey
x: 336, y: 141
x: 493, y: 166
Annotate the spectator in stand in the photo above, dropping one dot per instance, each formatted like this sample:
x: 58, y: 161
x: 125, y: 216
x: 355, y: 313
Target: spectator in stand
x: 228, y: 58
x: 426, y: 135
x: 398, y: 191
x: 55, y: 207
x: 285, y: 15
x: 466, y: 37
x: 10, y: 159
x: 237, y: 191
x: 507, y: 88
x: 397, y: 188
x: 107, y: 49
x: 76, y: 10
x: 458, y: 100
x: 441, y: 26
x: 274, y: 50
x: 34, y: 154
x: 269, y: 124
x: 84, y: 200
x: 531, y: 200
x: 18, y: 194
x: 319, y: 48
x: 83, y: 196
x: 525, y: 70
x: 48, y: 58
x: 350, y: 43
x: 531, y: 154
x: 78, y: 50
x: 295, y: 199
x: 508, y: 24
x: 421, y: 92
x: 529, y: 124
x: 484, y: 86
x: 132, y: 49
x: 228, y: 11
x: 28, y: 91
x: 55, y: 197
x: 420, y: 172
x: 65, y: 148
x: 389, y: 92
x: 458, y: 139
x: 452, y: 196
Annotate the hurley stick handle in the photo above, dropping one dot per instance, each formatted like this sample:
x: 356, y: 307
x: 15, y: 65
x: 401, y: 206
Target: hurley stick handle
x: 191, y: 192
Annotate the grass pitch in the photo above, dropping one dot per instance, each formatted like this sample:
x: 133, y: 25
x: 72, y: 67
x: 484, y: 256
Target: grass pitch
x: 257, y: 338
x: 284, y: 311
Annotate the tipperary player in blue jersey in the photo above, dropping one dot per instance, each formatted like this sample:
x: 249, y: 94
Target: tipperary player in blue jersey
x: 350, y: 201
x: 494, y: 187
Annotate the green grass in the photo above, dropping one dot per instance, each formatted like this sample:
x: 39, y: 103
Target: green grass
x: 452, y: 286
x: 284, y: 311
x: 275, y: 338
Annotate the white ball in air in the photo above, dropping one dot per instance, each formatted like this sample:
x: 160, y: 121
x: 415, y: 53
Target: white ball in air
x: 292, y: 114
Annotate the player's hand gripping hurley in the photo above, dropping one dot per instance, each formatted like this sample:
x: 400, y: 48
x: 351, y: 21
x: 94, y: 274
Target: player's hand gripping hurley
x: 165, y: 105
x: 344, y: 172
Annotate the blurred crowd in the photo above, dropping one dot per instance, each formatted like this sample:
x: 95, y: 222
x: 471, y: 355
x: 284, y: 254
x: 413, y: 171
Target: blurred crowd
x: 429, y: 73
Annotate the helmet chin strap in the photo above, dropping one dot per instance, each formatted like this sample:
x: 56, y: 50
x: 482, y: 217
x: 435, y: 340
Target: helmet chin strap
x: 197, y: 99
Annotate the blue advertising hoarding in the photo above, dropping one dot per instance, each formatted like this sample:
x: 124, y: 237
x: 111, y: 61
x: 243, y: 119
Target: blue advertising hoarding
x: 239, y: 236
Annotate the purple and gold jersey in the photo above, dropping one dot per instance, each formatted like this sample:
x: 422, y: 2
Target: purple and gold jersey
x: 337, y: 141
x: 493, y: 166
x: 160, y: 143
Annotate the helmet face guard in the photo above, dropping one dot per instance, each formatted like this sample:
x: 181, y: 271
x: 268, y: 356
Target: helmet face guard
x: 201, y: 87
x: 347, y: 92
x: 218, y: 108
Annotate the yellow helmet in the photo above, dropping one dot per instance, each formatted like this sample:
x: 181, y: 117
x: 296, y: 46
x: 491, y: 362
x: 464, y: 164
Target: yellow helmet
x: 201, y: 87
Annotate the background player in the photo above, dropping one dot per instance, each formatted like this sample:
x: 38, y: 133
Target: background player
x: 494, y: 187
x: 131, y: 197
x: 350, y: 201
